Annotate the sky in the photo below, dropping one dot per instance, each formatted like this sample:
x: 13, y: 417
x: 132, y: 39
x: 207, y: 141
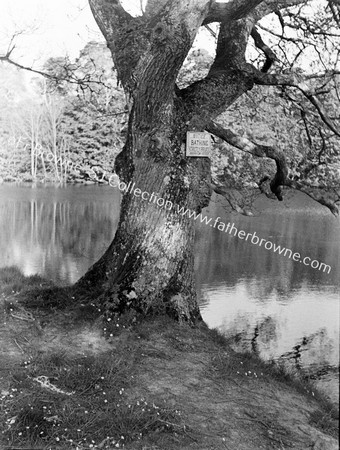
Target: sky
x: 51, y: 28
x: 56, y: 28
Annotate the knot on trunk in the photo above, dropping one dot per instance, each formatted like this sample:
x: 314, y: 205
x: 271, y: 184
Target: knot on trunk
x: 161, y: 33
x: 159, y: 145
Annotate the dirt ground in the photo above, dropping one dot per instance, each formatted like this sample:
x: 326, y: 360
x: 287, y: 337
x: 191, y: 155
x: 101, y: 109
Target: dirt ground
x: 224, y: 400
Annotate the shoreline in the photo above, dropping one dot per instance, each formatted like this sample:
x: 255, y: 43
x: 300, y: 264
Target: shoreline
x: 185, y: 386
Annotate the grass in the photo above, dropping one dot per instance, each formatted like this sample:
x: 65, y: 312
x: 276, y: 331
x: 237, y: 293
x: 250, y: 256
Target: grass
x: 129, y: 396
x: 326, y: 420
x: 249, y: 365
x: 80, y: 403
x: 13, y: 281
x: 33, y: 290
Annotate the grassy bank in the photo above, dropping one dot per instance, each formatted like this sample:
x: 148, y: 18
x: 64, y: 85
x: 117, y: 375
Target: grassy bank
x: 68, y: 383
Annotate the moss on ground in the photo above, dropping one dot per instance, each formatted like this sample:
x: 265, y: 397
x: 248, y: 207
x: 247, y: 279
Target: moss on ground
x: 155, y: 385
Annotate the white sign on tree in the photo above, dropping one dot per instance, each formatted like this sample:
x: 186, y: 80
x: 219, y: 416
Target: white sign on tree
x: 198, y: 144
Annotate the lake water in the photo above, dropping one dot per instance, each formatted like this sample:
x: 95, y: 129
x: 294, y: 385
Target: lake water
x: 266, y: 302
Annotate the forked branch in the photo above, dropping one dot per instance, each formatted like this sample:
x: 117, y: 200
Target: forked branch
x: 262, y: 151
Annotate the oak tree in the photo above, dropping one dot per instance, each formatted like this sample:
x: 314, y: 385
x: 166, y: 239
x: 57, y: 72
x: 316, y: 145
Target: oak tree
x: 148, y: 268
x: 149, y: 265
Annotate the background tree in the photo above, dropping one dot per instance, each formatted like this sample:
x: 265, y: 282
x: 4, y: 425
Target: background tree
x: 149, y: 265
x: 67, y: 127
x: 93, y: 116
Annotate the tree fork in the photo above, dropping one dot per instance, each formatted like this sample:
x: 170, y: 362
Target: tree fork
x: 149, y: 268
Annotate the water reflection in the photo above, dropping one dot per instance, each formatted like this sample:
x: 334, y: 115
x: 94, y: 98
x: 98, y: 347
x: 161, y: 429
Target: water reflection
x: 270, y: 303
x: 56, y: 232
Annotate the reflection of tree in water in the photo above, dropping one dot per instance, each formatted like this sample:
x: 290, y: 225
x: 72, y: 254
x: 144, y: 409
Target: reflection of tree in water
x: 264, y: 272
x: 267, y: 330
x: 295, y: 354
x: 60, y: 237
x: 249, y: 337
x: 312, y: 353
x: 271, y: 282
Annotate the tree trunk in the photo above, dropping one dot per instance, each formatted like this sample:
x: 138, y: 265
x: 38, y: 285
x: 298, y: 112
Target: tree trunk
x: 149, y: 266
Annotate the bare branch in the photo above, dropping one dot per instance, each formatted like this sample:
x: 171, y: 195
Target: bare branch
x: 335, y: 11
x: 70, y: 78
x: 303, y: 116
x: 294, y: 39
x: 212, y: 32
x: 271, y: 58
x: 319, y: 107
x: 296, y: 81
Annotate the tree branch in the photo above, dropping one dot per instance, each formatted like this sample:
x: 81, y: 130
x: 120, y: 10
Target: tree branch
x: 270, y: 6
x: 57, y: 78
x: 233, y: 10
x: 335, y: 8
x: 258, y: 150
x: 118, y: 28
x: 319, y: 107
x: 295, y: 80
x: 205, y: 99
x: 110, y: 17
x: 227, y: 79
x: 303, y: 116
x: 281, y: 178
x: 231, y: 45
x: 271, y: 58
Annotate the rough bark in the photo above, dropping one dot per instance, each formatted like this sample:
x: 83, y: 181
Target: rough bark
x: 149, y: 265
x: 148, y: 268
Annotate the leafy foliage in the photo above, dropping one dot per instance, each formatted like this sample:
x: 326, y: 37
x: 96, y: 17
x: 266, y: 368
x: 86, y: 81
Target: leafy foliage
x: 78, y: 124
